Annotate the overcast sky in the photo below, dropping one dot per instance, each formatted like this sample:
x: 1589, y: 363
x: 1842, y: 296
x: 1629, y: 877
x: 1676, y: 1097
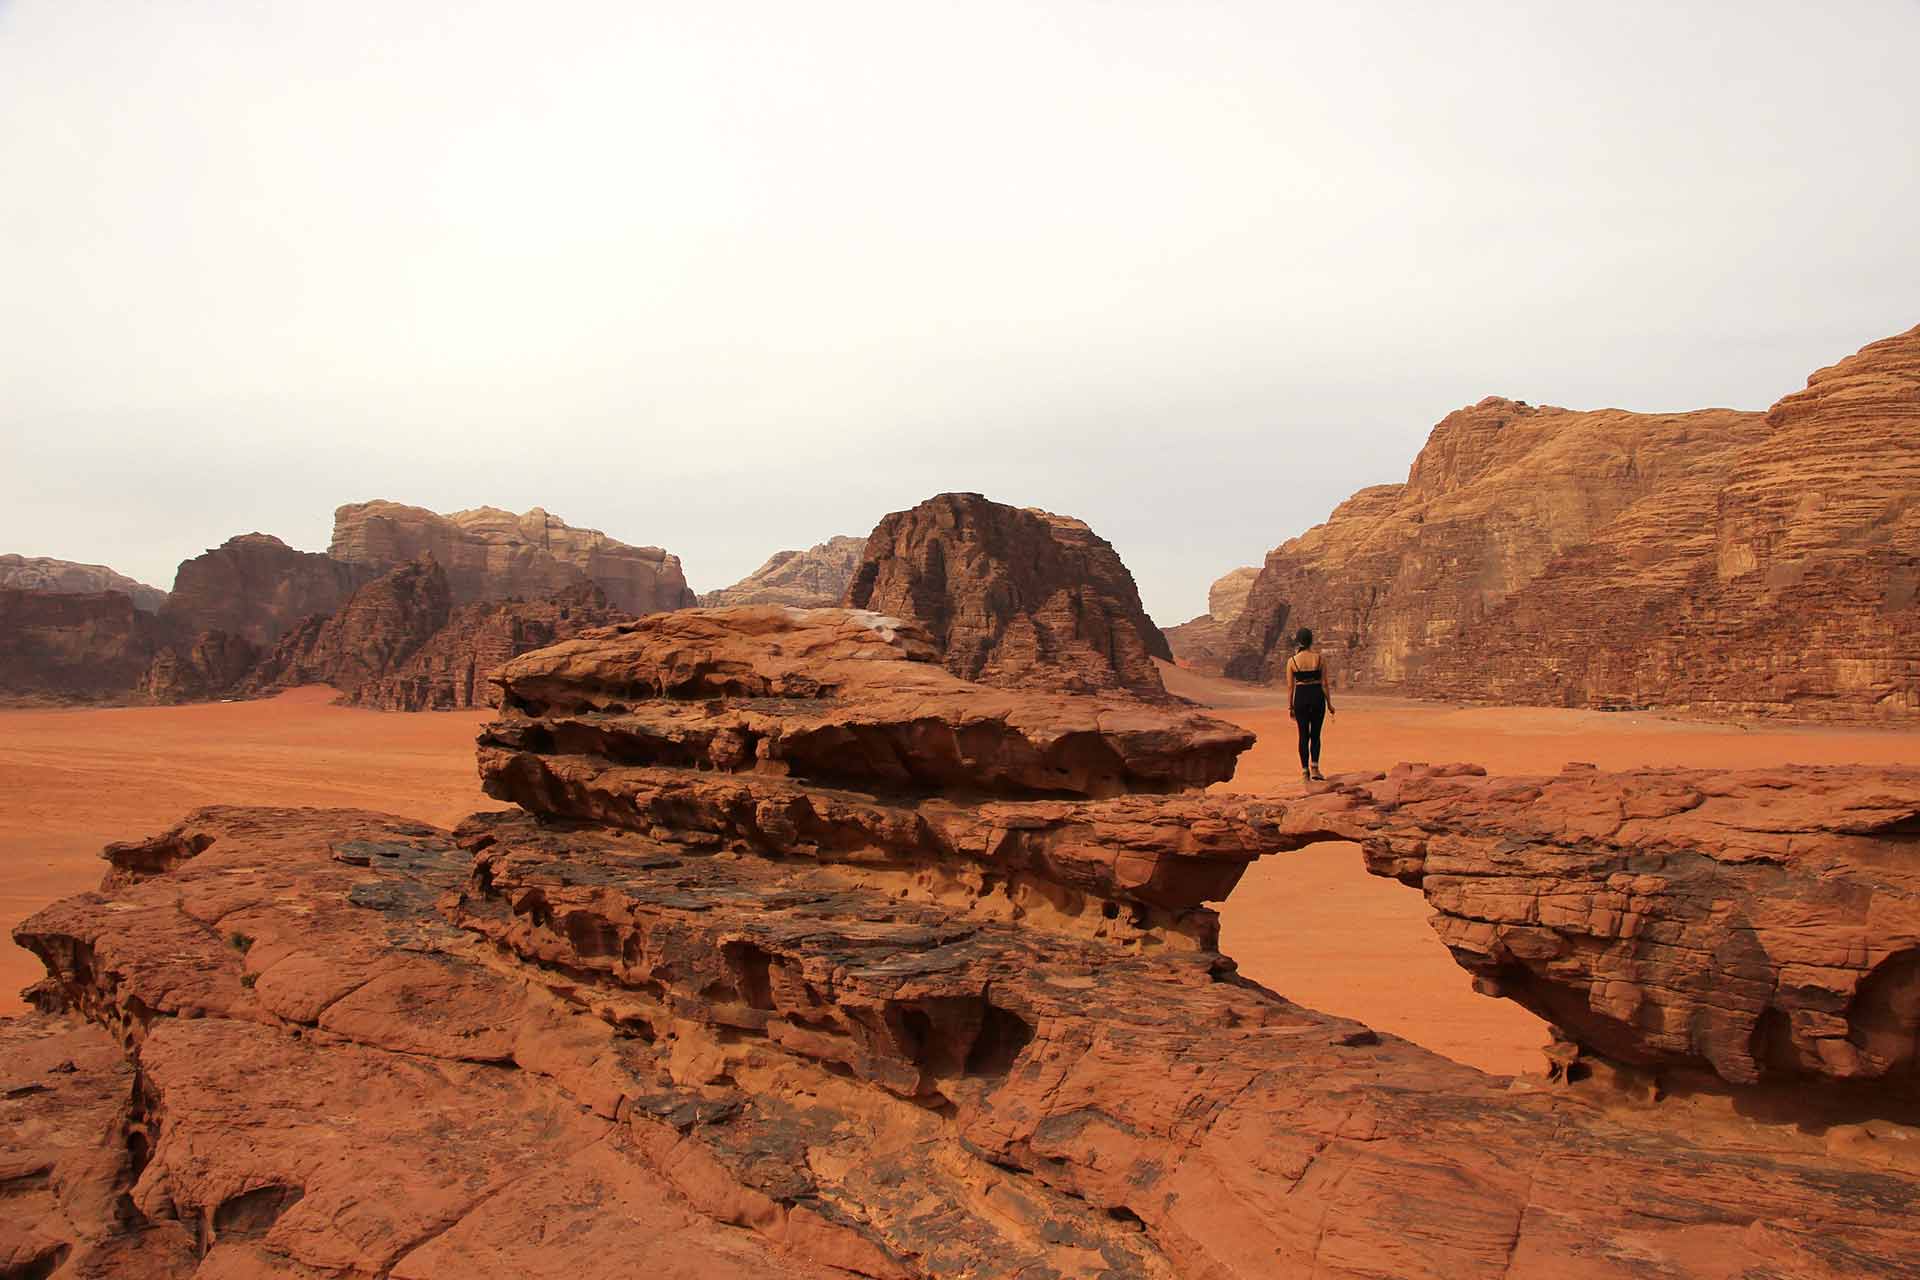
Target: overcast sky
x: 732, y: 277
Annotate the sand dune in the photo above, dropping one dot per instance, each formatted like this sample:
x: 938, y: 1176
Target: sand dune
x: 1313, y: 925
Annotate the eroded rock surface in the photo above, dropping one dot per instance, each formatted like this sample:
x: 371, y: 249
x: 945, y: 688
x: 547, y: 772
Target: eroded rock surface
x: 809, y: 579
x: 1205, y: 643
x: 453, y: 668
x: 1012, y: 596
x: 378, y: 628
x: 490, y: 554
x: 1761, y: 924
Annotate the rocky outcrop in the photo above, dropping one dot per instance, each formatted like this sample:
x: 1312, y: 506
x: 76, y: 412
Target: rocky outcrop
x: 64, y: 577
x: 490, y: 554
x: 1763, y: 926
x: 255, y: 587
x: 211, y: 665
x: 1205, y: 643
x: 937, y: 1001
x: 379, y: 627
x: 64, y: 1086
x: 777, y: 727
x: 453, y: 668
x: 72, y: 647
x: 1716, y: 561
x: 1013, y: 597
x: 802, y: 579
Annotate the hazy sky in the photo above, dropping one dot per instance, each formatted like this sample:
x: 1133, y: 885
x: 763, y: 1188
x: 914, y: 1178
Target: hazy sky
x: 731, y: 277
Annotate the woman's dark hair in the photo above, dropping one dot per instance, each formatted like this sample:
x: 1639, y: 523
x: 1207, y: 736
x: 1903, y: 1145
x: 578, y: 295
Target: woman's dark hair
x: 1305, y: 638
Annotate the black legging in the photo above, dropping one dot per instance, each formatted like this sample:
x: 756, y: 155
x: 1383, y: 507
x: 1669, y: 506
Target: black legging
x: 1309, y: 712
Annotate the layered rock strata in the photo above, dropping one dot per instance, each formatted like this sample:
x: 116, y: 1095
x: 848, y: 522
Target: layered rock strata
x: 378, y: 628
x: 1718, y: 561
x: 453, y: 668
x: 1763, y: 926
x: 1205, y: 643
x: 490, y: 554
x: 255, y: 587
x: 61, y: 646
x: 65, y: 577
x: 1013, y: 597
x: 806, y: 579
x: 549, y: 1045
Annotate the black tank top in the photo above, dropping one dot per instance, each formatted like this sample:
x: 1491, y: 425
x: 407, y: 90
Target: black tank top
x: 1302, y: 675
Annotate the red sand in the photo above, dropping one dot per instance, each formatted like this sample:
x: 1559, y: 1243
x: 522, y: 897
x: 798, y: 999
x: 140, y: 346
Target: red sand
x: 1313, y: 925
x: 73, y: 780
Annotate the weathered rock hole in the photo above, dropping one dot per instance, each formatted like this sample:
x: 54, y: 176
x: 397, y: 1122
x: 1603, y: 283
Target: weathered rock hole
x: 251, y: 1214
x: 752, y: 973
x: 1883, y: 1021
x: 591, y: 936
x: 1003, y: 1036
x: 39, y: 1268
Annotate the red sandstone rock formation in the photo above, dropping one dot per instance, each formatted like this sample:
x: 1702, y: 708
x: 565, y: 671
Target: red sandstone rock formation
x: 1013, y: 597
x: 1205, y: 643
x: 72, y: 647
x: 1762, y: 924
x: 490, y: 554
x: 210, y: 666
x: 1725, y: 562
x: 64, y: 577
x: 923, y: 1003
x: 803, y: 579
x: 255, y: 587
x: 454, y: 667
x: 379, y: 627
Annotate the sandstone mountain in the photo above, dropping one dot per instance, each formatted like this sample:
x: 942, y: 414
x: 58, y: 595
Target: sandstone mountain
x: 379, y: 627
x: 804, y: 579
x: 1720, y: 561
x: 1204, y: 643
x: 1012, y: 596
x: 792, y: 931
x: 64, y: 577
x: 453, y: 668
x: 65, y: 646
x: 255, y: 587
x: 490, y: 554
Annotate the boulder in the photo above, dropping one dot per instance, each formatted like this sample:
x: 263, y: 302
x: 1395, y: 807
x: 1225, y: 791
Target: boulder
x: 1012, y: 597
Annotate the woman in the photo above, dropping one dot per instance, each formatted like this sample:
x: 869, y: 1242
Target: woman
x: 1308, y: 703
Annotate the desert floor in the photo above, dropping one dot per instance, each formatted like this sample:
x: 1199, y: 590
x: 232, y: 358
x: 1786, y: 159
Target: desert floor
x: 1312, y: 925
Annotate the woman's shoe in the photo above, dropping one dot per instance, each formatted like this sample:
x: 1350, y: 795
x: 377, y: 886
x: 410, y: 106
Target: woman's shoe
x: 1305, y: 776
x: 1317, y: 775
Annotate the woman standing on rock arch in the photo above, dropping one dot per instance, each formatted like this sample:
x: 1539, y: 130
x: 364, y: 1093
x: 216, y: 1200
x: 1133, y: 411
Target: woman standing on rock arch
x: 1308, y: 703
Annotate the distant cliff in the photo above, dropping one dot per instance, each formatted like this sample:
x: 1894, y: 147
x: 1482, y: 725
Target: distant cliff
x: 803, y: 579
x: 490, y: 554
x: 1727, y: 562
x: 64, y: 577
